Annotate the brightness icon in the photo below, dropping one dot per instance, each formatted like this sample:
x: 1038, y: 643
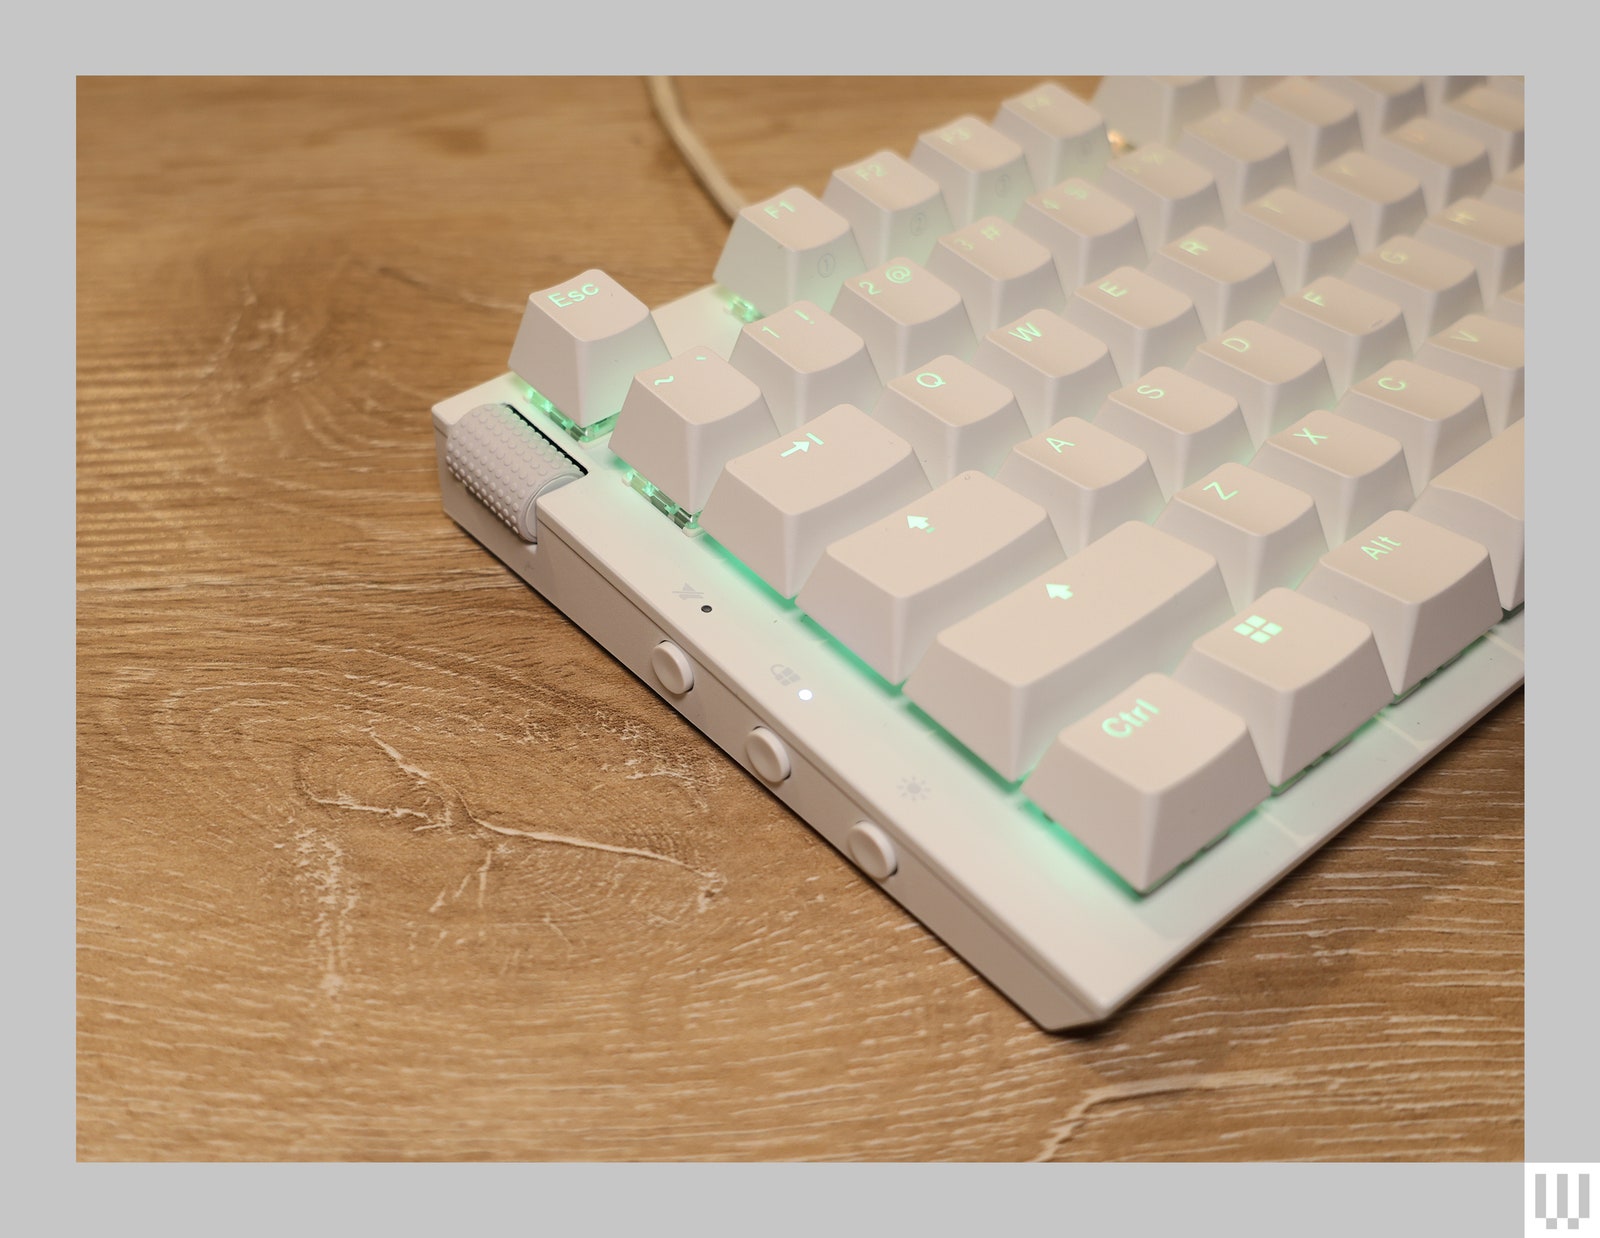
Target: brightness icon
x: 913, y: 788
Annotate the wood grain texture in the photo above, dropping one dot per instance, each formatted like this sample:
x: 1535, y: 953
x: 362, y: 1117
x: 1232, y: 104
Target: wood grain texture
x: 381, y: 858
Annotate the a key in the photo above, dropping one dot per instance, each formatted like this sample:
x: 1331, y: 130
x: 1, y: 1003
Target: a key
x: 805, y: 362
x: 894, y: 209
x: 1440, y: 90
x: 1319, y: 124
x: 1060, y: 135
x: 1145, y: 322
x: 1089, y: 480
x: 1436, y: 419
x: 1150, y: 778
x: 954, y: 416
x: 1262, y: 532
x: 1509, y: 308
x: 1487, y: 236
x: 1381, y: 103
x: 1381, y: 201
x: 788, y: 248
x: 1171, y: 194
x: 1301, y: 674
x: 1275, y: 377
x: 999, y: 270
x: 1481, y: 497
x: 580, y: 344
x: 1425, y: 592
x: 1492, y: 116
x: 1433, y: 286
x: 777, y: 508
x: 1088, y: 232
x: 1226, y: 278
x: 1355, y: 331
x: 889, y: 588
x: 906, y: 316
x: 1154, y: 109
x: 1004, y: 680
x: 1246, y: 157
x: 981, y: 170
x: 1488, y: 354
x: 1236, y: 92
x: 1352, y: 472
x: 1307, y: 238
x: 1449, y: 164
x: 1506, y: 191
x: 1056, y: 369
x: 1185, y: 427
x: 685, y: 419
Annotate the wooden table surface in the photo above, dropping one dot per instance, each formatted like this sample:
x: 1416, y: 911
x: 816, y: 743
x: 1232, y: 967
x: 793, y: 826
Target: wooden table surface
x: 381, y: 858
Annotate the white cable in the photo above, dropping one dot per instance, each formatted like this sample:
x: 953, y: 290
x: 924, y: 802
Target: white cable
x: 664, y: 98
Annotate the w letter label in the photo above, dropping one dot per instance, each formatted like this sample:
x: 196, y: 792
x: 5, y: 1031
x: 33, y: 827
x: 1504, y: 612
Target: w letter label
x: 1557, y: 1198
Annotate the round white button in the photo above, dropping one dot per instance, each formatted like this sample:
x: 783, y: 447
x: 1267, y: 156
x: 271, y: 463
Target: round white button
x: 767, y: 755
x: 872, y: 851
x: 672, y: 668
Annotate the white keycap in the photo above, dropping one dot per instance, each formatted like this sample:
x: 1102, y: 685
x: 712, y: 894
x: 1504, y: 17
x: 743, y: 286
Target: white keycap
x: 1059, y: 133
x: 1449, y: 164
x: 1145, y: 322
x: 1275, y: 377
x: 1170, y: 193
x: 1246, y: 157
x: 581, y: 342
x: 1154, y: 109
x: 1437, y: 419
x: 1507, y: 191
x: 1319, y: 124
x: 894, y: 209
x: 1057, y: 369
x: 1509, y: 308
x: 1494, y: 118
x: 954, y: 416
x: 888, y: 589
x: 1306, y: 238
x: 805, y: 362
x: 1381, y: 200
x: 999, y: 270
x: 777, y: 508
x: 1089, y: 480
x: 1440, y: 89
x: 1355, y: 331
x: 1236, y: 92
x: 1185, y: 427
x: 1481, y: 497
x: 788, y: 248
x: 906, y: 315
x: 1004, y: 680
x: 981, y: 170
x: 1088, y: 232
x: 1425, y: 592
x: 1488, y: 354
x: 1381, y: 103
x: 685, y: 419
x: 1226, y: 278
x: 1262, y: 532
x: 1150, y: 778
x: 1352, y: 472
x: 1487, y: 236
x: 1433, y: 286
x: 1301, y: 674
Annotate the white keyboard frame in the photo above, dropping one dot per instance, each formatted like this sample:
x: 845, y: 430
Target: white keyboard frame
x: 980, y: 867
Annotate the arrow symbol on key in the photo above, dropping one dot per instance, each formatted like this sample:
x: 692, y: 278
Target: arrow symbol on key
x: 799, y: 445
x: 1058, y: 591
x: 919, y: 522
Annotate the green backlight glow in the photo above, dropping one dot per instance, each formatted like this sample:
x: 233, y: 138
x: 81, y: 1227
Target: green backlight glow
x: 742, y: 309
x: 689, y: 521
x: 583, y: 434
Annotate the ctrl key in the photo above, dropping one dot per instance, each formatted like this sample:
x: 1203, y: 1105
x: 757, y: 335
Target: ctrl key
x: 1150, y: 778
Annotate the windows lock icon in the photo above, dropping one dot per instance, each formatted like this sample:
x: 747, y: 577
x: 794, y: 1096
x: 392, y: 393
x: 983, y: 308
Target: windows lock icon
x: 1257, y: 629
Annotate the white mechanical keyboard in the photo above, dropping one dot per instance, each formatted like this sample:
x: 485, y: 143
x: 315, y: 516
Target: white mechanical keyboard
x: 1077, y: 518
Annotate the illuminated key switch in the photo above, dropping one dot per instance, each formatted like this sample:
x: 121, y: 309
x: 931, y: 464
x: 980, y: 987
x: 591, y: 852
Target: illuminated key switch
x: 1150, y: 778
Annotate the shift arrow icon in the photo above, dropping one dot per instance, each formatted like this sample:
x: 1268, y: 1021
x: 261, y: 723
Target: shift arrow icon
x: 1058, y: 591
x: 919, y: 522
